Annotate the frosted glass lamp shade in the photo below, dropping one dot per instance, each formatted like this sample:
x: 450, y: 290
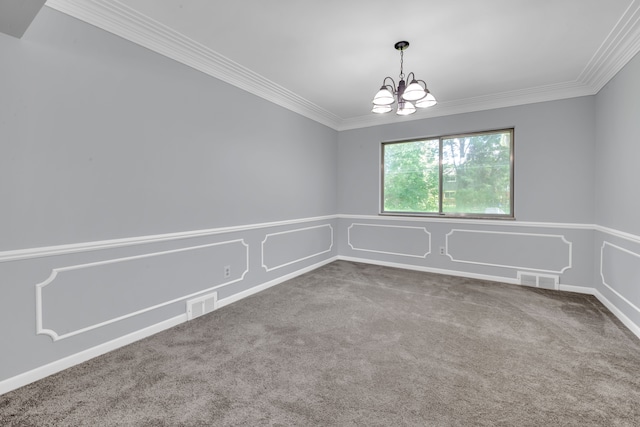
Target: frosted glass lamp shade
x: 381, y: 109
x: 414, y: 91
x: 383, y: 97
x: 405, y: 108
x: 427, y: 101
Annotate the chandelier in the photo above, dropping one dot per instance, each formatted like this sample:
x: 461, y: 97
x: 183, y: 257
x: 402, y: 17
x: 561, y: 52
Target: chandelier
x: 409, y: 97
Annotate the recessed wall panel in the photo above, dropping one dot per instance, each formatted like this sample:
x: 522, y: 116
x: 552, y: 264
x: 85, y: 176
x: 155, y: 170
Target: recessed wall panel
x: 288, y: 247
x: 390, y: 239
x: 620, y: 271
x: 78, y: 298
x: 524, y: 251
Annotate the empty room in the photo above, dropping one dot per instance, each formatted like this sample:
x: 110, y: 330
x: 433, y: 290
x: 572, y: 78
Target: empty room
x: 357, y: 213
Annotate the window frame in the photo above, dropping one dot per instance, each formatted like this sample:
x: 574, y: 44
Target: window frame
x: 440, y: 214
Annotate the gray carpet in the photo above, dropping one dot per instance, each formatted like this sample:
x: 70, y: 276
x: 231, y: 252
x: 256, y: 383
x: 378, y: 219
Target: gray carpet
x: 359, y: 345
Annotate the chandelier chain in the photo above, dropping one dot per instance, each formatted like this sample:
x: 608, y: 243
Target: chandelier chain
x: 401, y: 64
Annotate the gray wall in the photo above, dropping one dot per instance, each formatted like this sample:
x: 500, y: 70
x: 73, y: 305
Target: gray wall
x: 552, y: 234
x: 121, y: 173
x: 103, y: 139
x: 618, y: 150
x: 129, y: 182
x: 617, y: 206
x: 554, y: 155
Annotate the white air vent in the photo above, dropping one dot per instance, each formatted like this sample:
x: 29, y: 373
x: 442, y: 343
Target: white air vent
x: 202, y: 305
x: 537, y: 280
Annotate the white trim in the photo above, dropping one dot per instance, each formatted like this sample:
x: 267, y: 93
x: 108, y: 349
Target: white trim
x: 47, y: 251
x: 384, y: 252
x: 300, y: 259
x: 633, y: 327
x: 254, y: 290
x: 562, y: 288
x: 617, y: 233
x: 41, y: 372
x: 576, y: 289
x: 80, y: 357
x: 553, y: 92
x: 604, y: 281
x: 620, y: 46
x: 40, y: 329
x: 453, y: 230
x: 431, y: 270
x: 470, y: 221
x: 119, y: 19
x: 113, y: 16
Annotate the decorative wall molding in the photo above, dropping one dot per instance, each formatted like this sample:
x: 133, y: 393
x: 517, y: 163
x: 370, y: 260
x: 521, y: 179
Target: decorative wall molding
x: 386, y: 240
x: 48, y: 251
x: 119, y: 19
x: 480, y: 249
x: 77, y: 358
x: 426, y: 269
x: 621, y: 45
x: 113, y: 16
x: 56, y: 272
x: 627, y: 273
x: 315, y: 251
x: 633, y: 327
x: 554, y: 92
x: 82, y: 356
x: 254, y: 290
x: 617, y: 233
x: 467, y: 221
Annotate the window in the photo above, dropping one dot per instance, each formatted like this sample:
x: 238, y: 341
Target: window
x: 459, y: 175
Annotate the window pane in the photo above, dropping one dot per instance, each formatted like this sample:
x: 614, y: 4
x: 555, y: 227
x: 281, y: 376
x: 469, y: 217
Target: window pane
x: 411, y: 176
x: 476, y: 174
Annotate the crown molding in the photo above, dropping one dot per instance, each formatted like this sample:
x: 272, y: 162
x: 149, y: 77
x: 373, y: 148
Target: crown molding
x: 480, y: 103
x: 620, y: 46
x: 123, y: 21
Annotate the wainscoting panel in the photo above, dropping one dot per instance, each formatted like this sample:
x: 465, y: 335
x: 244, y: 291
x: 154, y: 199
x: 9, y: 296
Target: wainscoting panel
x: 289, y: 247
x: 620, y: 272
x: 390, y: 239
x: 107, y: 291
x: 522, y: 251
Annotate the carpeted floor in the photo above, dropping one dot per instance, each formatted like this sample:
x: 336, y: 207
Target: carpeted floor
x: 359, y: 345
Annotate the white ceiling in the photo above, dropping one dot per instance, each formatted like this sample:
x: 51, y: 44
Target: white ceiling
x: 325, y: 59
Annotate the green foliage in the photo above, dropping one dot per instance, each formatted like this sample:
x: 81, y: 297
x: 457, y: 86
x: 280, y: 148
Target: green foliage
x: 476, y: 175
x: 411, y: 176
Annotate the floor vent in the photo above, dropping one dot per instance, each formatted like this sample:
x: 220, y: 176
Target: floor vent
x: 537, y: 280
x: 202, y: 305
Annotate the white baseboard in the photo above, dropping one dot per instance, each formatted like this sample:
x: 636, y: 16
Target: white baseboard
x: 567, y: 288
x: 254, y: 290
x: 75, y: 359
x: 432, y: 270
x: 633, y: 327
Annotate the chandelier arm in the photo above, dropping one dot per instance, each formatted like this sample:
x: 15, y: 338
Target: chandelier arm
x: 392, y: 87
